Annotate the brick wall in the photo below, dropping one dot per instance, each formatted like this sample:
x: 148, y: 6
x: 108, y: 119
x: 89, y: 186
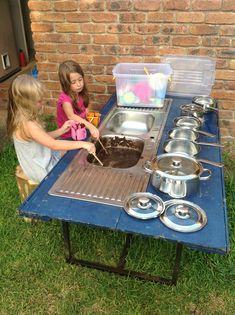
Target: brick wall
x: 99, y: 34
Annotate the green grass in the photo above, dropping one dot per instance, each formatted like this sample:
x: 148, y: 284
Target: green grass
x: 34, y: 278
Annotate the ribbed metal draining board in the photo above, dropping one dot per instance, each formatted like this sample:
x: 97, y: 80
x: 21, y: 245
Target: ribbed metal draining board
x: 98, y: 184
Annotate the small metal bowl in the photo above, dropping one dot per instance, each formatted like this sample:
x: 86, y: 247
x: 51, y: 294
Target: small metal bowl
x: 192, y: 109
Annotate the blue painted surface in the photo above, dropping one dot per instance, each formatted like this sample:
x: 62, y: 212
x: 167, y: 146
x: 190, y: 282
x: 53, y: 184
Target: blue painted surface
x: 211, y: 197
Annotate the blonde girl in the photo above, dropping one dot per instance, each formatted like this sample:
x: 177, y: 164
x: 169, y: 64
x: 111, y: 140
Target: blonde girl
x: 73, y: 101
x: 37, y: 151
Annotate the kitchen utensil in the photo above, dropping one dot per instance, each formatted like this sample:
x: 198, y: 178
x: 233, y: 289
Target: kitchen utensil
x: 143, y: 205
x: 95, y: 156
x: 206, y: 102
x: 191, y: 148
x: 193, y: 110
x: 103, y: 146
x: 190, y: 122
x: 183, y: 216
x: 176, y: 174
x: 182, y: 133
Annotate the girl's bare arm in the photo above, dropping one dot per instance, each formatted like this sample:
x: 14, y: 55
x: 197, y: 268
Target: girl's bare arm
x: 38, y: 134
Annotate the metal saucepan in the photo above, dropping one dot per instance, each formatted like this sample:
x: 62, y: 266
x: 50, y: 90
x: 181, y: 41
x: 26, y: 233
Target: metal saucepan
x: 192, y: 123
x: 176, y: 174
x: 206, y: 102
x: 193, y: 110
x: 191, y: 148
x: 184, y: 133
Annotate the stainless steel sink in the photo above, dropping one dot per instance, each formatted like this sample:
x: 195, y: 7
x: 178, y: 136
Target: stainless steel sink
x: 122, y: 174
x: 129, y: 122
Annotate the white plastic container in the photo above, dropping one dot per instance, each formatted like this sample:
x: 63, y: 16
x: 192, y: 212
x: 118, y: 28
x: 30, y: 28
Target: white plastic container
x: 192, y: 75
x: 141, y: 84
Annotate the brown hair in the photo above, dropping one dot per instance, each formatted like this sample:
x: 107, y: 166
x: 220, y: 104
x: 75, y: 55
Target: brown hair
x: 23, y: 95
x: 65, y: 69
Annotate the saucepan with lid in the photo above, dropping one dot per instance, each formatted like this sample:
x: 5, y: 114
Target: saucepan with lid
x: 193, y: 110
x: 191, y: 148
x: 206, y: 102
x: 176, y: 174
x: 191, y: 123
x: 185, y: 133
x: 178, y: 215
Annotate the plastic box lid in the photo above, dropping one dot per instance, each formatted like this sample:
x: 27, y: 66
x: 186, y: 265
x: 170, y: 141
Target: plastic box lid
x: 192, y: 75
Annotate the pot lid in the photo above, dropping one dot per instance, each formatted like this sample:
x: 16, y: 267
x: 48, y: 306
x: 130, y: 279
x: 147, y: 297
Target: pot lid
x: 177, y: 164
x: 183, y: 216
x: 144, y: 205
x: 204, y: 100
x: 187, y: 121
x: 191, y: 107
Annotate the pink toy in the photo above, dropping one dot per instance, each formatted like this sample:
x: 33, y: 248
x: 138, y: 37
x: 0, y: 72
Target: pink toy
x: 142, y: 90
x: 78, y: 131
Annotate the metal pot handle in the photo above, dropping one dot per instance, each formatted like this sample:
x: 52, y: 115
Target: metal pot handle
x: 210, y: 144
x: 218, y: 164
x: 148, y: 167
x: 205, y: 133
x: 205, y: 177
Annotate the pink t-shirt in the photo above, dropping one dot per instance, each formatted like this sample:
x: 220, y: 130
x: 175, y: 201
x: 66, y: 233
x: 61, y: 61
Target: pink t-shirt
x: 61, y: 116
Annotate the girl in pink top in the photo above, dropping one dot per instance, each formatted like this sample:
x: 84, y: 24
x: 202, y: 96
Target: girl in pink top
x: 73, y: 101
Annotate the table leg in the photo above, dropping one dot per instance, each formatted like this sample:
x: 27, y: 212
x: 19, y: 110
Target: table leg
x: 120, y: 268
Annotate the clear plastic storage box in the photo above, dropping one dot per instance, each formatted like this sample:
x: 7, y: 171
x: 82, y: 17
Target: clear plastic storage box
x: 141, y: 84
x: 192, y: 75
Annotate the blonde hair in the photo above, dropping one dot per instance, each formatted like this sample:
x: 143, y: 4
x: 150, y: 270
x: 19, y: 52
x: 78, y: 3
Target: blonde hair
x: 23, y: 95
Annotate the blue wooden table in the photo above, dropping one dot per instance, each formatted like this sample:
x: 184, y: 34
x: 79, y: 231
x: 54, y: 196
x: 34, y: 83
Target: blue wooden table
x: 212, y: 238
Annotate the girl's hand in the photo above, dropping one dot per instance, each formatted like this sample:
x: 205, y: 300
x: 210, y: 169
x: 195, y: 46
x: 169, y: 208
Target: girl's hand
x: 90, y: 147
x: 94, y: 132
x: 66, y: 126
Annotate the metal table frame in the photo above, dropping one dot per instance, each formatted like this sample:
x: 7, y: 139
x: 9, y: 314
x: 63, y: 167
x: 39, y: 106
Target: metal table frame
x: 120, y: 268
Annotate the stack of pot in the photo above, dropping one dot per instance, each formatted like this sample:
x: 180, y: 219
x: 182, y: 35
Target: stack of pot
x: 178, y: 172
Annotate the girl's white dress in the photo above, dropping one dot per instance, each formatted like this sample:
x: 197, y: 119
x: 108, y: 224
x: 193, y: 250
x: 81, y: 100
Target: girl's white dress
x: 35, y: 159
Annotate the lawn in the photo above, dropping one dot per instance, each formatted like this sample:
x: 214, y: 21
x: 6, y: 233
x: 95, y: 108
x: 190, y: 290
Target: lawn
x: 34, y: 278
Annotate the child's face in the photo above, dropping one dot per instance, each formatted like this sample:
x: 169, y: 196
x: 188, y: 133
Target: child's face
x: 76, y: 82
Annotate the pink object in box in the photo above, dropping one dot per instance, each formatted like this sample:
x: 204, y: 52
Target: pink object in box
x: 78, y: 131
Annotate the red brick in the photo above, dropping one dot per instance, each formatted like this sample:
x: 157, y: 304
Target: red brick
x: 39, y: 5
x: 209, y: 52
x: 232, y: 64
x: 53, y: 17
x: 230, y: 105
x: 104, y: 60
x: 47, y: 67
x: 96, y: 5
x: 160, y: 17
x: 186, y: 41
x: 172, y: 51
x: 120, y: 28
x: 226, y: 95
x: 216, y: 41
x: 79, y: 38
x: 221, y: 63
x: 130, y: 59
x: 174, y: 29
x: 228, y: 5
x: 229, y: 85
x: 208, y: 5
x: 225, y: 75
x: 147, y: 28
x: 157, y: 40
x: 65, y: 5
x: 42, y: 27
x: 131, y: 39
x: 181, y: 5
x: 227, y: 30
x: 92, y: 28
x: 45, y: 47
x: 119, y: 5
x: 190, y: 17
x: 150, y: 5
x: 104, y: 17
x: 220, y: 18
x: 105, y: 39
x: 56, y: 38
x: 35, y: 16
x: 67, y: 27
x: 77, y: 17
x: 131, y: 17
x: 107, y: 79
x: 203, y: 29
x: 96, y: 88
